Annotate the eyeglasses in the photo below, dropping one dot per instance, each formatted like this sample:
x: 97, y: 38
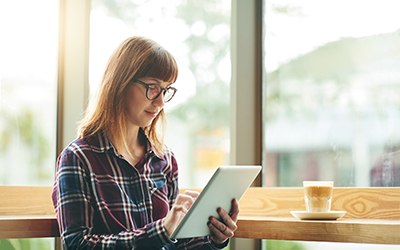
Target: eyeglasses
x: 153, y: 91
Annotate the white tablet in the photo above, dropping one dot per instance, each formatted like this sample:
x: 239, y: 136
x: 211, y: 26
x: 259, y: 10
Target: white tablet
x: 227, y: 182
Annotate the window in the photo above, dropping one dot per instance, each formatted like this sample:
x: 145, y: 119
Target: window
x: 29, y: 42
x: 331, y: 106
x: 28, y: 99
x: 197, y: 33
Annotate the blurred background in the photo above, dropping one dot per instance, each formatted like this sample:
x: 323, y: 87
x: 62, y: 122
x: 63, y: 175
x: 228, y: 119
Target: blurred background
x: 331, y: 86
x: 331, y: 92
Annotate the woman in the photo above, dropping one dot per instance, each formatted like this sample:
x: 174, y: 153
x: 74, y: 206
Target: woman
x: 117, y: 184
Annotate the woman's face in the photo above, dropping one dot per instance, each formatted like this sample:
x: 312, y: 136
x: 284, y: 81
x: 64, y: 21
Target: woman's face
x: 140, y: 110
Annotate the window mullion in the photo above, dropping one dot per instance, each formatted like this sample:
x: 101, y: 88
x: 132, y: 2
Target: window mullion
x: 73, y: 67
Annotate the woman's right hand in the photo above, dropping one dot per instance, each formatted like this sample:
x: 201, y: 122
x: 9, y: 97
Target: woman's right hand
x: 179, y: 209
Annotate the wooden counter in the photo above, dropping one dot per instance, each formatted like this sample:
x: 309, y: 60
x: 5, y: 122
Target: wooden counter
x: 373, y: 215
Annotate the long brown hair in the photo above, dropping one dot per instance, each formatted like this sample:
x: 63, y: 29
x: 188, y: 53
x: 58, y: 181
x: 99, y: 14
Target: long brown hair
x: 134, y: 58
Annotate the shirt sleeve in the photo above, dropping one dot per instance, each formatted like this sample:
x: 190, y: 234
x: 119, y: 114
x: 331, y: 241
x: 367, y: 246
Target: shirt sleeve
x: 200, y: 243
x: 73, y: 202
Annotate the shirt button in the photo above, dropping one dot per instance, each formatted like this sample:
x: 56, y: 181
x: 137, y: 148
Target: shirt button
x: 141, y: 204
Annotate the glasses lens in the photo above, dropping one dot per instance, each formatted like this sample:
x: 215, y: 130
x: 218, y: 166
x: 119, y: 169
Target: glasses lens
x: 169, y: 93
x: 153, y: 91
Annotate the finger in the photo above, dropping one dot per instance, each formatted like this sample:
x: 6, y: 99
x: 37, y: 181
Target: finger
x: 220, y: 226
x: 183, y: 198
x: 179, y: 211
x: 220, y: 231
x: 181, y: 207
x: 175, y: 216
x: 216, y: 235
x: 193, y: 194
x: 227, y: 220
x: 226, y: 229
x: 234, y: 212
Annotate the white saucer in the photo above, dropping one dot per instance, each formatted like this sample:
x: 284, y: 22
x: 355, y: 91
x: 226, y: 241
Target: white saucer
x: 304, y: 215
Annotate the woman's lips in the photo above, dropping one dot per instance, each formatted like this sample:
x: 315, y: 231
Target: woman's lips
x: 152, y: 114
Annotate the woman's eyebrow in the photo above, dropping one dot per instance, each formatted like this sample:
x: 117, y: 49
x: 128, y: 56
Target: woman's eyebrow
x: 154, y: 79
x: 159, y: 81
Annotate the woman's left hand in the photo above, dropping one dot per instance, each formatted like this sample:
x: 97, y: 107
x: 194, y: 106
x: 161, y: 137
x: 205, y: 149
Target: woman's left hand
x: 225, y: 229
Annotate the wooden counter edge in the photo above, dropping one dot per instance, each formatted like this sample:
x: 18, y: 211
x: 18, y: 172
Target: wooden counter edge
x: 28, y: 226
x: 371, y: 231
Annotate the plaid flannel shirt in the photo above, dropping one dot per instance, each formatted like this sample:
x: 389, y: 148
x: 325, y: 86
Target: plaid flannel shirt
x: 103, y: 202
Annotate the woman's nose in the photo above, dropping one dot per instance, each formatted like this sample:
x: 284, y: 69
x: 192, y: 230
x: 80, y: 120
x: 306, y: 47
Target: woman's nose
x: 159, y: 102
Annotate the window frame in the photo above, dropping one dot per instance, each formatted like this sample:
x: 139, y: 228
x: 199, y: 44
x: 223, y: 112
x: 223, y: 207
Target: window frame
x: 73, y: 68
x: 246, y: 81
x: 246, y: 93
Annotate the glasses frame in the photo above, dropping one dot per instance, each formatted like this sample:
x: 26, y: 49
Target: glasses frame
x: 163, y: 90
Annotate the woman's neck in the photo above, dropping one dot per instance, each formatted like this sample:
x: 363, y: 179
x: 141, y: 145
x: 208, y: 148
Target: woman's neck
x: 134, y: 149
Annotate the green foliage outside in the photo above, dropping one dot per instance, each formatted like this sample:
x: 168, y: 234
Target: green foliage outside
x: 26, y: 244
x: 283, y: 245
x: 24, y: 126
